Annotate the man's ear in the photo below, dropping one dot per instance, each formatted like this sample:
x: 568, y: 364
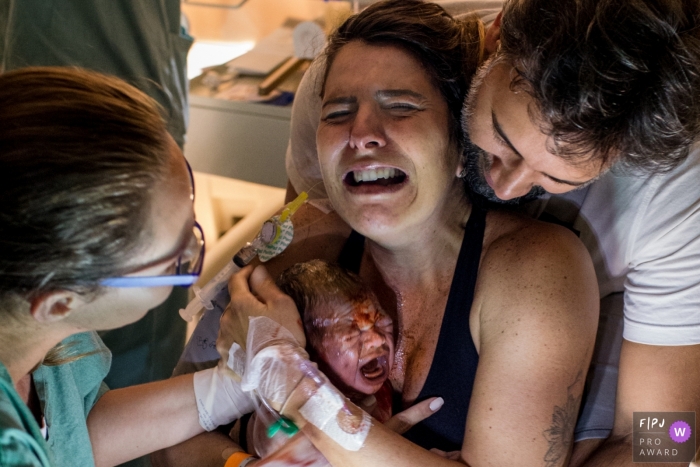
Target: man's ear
x: 492, y: 38
x: 54, y: 306
x: 461, y: 171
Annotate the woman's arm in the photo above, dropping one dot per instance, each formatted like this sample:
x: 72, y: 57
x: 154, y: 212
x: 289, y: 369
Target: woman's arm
x: 537, y: 300
x: 131, y: 422
x: 210, y: 449
x: 537, y: 312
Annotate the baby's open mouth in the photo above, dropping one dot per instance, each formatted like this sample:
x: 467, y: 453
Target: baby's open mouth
x: 378, y: 177
x: 375, y: 368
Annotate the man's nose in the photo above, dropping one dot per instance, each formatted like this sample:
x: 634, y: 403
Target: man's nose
x: 511, y: 179
x: 367, y: 131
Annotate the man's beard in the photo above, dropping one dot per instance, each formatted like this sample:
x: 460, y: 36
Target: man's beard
x: 477, y: 162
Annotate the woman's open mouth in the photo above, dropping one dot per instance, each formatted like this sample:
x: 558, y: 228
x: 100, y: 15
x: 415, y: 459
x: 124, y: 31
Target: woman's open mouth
x: 376, y: 180
x: 375, y: 369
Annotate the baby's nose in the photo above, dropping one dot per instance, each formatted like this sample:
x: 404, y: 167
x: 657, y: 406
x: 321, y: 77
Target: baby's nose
x: 371, y: 339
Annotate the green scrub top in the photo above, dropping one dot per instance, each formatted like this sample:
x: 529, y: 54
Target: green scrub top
x: 66, y: 393
x: 140, y: 41
x: 21, y: 443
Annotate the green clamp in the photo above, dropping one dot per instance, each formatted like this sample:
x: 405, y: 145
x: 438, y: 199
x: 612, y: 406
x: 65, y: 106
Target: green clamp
x: 282, y: 424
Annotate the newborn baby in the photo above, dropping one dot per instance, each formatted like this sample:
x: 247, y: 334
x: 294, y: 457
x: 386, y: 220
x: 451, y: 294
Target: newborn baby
x: 350, y: 338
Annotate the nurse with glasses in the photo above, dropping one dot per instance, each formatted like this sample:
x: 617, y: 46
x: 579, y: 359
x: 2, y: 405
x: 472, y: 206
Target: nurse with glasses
x: 92, y: 186
x: 188, y: 266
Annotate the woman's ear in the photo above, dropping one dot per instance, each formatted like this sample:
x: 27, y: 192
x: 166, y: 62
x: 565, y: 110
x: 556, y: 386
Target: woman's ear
x: 54, y: 306
x: 493, y: 35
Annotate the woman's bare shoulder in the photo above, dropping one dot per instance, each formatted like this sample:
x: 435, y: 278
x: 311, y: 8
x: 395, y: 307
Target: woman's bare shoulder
x: 319, y: 233
x: 535, y: 270
x: 511, y: 234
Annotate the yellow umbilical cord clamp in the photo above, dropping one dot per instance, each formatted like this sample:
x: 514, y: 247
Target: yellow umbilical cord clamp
x: 288, y: 211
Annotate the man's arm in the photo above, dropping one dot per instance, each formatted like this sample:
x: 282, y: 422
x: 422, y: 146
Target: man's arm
x: 652, y: 379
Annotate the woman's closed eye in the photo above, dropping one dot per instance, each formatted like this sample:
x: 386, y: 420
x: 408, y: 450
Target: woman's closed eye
x: 336, y: 116
x: 402, y: 108
x: 337, y: 110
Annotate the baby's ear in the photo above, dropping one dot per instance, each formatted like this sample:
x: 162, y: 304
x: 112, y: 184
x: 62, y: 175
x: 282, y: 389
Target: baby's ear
x: 54, y: 306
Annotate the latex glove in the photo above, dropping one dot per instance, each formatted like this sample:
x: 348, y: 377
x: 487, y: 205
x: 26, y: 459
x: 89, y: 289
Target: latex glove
x: 254, y: 293
x: 220, y: 399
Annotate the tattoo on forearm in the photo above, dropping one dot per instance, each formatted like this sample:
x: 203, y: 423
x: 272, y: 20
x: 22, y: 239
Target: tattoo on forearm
x: 560, y: 434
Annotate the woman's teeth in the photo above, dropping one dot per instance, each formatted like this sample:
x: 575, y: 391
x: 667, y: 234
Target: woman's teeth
x: 372, y: 175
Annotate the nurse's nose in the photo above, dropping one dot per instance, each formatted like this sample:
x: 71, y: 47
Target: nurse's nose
x: 511, y: 178
x: 367, y: 131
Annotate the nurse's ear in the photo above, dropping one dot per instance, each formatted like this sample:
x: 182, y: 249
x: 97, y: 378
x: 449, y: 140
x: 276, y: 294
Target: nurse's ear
x: 54, y: 306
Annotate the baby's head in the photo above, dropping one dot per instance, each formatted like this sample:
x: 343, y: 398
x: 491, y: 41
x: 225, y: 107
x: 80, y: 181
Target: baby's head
x: 349, y: 335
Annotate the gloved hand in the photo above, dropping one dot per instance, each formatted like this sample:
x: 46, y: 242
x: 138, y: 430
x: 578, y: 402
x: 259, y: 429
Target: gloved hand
x: 220, y: 399
x: 275, y: 362
x: 254, y: 293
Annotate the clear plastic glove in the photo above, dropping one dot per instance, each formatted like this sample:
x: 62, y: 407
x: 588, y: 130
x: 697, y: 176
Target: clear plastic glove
x: 254, y: 293
x: 276, y: 362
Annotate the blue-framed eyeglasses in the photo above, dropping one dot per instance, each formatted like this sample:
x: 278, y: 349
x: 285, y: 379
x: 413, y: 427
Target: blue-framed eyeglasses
x: 187, y: 269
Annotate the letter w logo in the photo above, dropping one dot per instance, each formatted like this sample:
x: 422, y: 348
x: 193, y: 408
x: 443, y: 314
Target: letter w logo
x: 679, y: 431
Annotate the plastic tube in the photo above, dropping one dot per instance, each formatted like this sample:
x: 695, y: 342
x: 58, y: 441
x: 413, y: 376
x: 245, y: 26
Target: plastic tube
x: 269, y: 233
x: 204, y: 296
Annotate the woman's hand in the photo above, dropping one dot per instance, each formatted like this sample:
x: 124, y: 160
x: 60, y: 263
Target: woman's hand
x: 254, y: 293
x: 404, y: 421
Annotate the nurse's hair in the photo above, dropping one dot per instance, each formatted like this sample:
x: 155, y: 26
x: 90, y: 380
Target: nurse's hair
x: 81, y: 154
x: 450, y: 50
x: 316, y: 283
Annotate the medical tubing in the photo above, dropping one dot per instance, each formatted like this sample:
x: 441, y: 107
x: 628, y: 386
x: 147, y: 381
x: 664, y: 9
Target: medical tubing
x: 204, y: 296
x: 269, y: 233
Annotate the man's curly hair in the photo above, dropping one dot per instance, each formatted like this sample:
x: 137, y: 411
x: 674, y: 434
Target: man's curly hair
x: 617, y: 80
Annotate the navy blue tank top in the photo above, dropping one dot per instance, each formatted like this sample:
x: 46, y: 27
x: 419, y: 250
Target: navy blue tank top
x: 453, y: 369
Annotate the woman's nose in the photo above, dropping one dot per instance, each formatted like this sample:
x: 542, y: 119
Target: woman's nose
x: 367, y: 131
x: 511, y: 179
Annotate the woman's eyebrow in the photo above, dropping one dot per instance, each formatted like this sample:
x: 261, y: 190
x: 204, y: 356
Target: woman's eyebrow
x: 389, y: 93
x: 340, y: 100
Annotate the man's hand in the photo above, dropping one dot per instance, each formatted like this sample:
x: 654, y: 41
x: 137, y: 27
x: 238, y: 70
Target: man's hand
x: 652, y: 379
x: 254, y: 293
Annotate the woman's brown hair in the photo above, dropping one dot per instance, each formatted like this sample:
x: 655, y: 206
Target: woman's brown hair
x: 450, y: 50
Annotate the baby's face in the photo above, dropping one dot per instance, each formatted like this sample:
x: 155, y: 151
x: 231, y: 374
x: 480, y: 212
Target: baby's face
x: 357, y: 344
